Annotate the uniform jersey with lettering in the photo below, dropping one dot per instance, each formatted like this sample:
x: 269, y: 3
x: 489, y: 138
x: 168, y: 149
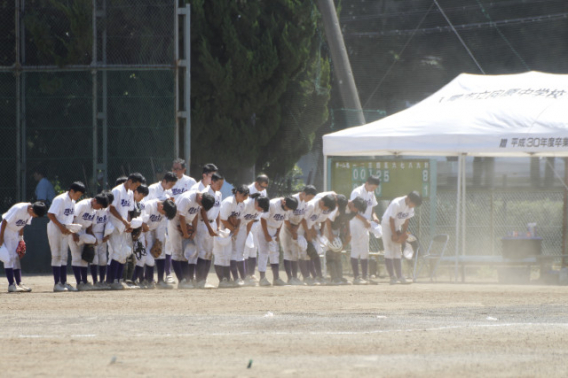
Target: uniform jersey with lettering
x: 152, y: 216
x: 123, y: 200
x: 157, y: 191
x: 17, y: 217
x: 369, y: 197
x: 276, y: 215
x: 84, y: 213
x: 102, y: 216
x: 63, y: 207
x: 399, y: 211
x: 182, y: 185
x: 314, y: 213
x: 300, y: 212
x: 230, y: 208
x: 213, y: 212
x: 249, y: 212
x: 187, y: 206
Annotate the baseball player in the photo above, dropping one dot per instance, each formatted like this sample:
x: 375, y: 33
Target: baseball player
x: 183, y: 184
x: 318, y: 210
x: 155, y: 214
x: 102, y: 218
x: 135, y: 239
x: 268, y: 249
x: 84, y: 214
x: 339, y: 227
x: 253, y: 207
x: 230, y: 217
x: 260, y: 185
x: 289, y: 234
x: 122, y: 204
x: 395, y: 225
x: 182, y: 237
x: 162, y: 190
x: 12, y: 237
x: 60, y: 214
x: 206, y: 175
x: 359, y: 226
x: 206, y: 230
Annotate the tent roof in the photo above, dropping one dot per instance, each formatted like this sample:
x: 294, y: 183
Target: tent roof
x: 501, y: 115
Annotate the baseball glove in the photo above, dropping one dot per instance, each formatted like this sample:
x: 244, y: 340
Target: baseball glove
x: 156, y: 249
x: 136, y: 233
x: 21, y: 249
x: 88, y: 253
x: 189, y: 229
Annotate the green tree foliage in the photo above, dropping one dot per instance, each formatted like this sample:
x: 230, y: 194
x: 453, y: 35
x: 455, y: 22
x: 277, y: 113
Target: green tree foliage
x: 259, y: 85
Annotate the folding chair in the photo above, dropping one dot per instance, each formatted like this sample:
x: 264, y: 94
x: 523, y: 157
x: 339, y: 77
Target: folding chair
x: 431, y: 257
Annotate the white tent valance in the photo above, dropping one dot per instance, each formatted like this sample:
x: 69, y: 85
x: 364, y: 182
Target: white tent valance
x: 502, y: 115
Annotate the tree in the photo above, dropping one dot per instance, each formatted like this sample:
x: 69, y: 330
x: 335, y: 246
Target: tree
x: 258, y: 83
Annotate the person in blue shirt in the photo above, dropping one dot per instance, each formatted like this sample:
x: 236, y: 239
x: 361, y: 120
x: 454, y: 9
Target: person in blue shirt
x: 44, y: 191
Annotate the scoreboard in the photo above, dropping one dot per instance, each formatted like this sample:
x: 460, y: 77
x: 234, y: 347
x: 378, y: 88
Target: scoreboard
x: 398, y: 177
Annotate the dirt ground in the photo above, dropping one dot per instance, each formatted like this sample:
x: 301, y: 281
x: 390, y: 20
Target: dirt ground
x: 428, y: 330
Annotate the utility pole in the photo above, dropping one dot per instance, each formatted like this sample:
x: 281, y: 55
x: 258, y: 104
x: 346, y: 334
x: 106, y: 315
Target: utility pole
x: 344, y: 75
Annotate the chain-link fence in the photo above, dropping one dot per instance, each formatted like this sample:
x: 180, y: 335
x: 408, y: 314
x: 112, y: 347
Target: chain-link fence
x: 85, y: 96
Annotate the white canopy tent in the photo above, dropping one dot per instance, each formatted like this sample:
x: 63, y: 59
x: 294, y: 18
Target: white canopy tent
x: 474, y: 115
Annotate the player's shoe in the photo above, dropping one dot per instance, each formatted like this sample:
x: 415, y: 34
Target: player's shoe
x: 239, y: 282
x: 151, y: 285
x: 185, y: 284
x: 253, y: 278
x: 69, y: 287
x: 116, y: 285
x: 24, y: 287
x: 311, y: 282
x: 279, y: 282
x: 250, y: 282
x: 59, y: 287
x: 264, y: 282
x: 85, y: 286
x: 13, y: 288
x: 404, y: 281
x: 224, y: 284
x: 102, y: 286
x: 359, y: 281
x: 130, y: 285
x: 162, y: 285
x: 373, y: 282
x: 170, y: 280
x: 296, y: 282
x: 345, y: 281
x: 393, y: 281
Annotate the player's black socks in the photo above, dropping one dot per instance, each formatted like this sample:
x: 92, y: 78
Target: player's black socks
x: 241, y: 268
x: 10, y: 275
x: 317, y: 266
x: 355, y: 267
x: 94, y: 276
x: 18, y: 276
x: 176, y: 265
x: 397, y: 267
x: 84, y: 274
x: 185, y: 270
x: 234, y: 270
x: 275, y: 272
x: 191, y: 271
x: 303, y: 264
x: 77, y: 273
x: 227, y: 273
x: 168, y: 265
x: 102, y: 272
x: 288, y: 268
x: 294, y: 268
x: 364, y: 268
x: 390, y: 267
x: 160, y: 264
x: 63, y: 273
x: 219, y: 272
x: 56, y: 274
x: 149, y: 273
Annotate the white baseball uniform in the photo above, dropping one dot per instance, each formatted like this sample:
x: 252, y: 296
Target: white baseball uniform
x: 102, y: 217
x: 289, y: 246
x: 256, y: 226
x: 157, y: 191
x: 275, y: 216
x: 17, y: 217
x: 360, y: 234
x: 182, y: 185
x: 62, y: 208
x: 223, y: 253
x: 85, y: 216
x: 188, y: 207
x: 253, y: 190
x: 123, y: 203
x: 400, y: 212
x: 249, y: 214
x: 203, y: 240
x: 157, y: 224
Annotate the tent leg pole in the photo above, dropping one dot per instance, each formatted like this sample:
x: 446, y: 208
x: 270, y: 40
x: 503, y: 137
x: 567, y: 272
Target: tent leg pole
x: 458, y: 206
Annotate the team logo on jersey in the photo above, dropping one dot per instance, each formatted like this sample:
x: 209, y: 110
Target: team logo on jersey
x: 155, y: 218
x: 299, y: 211
x: 217, y: 203
x: 88, y: 217
x: 235, y: 213
x: 176, y: 191
x: 125, y: 203
x: 101, y: 220
x: 278, y: 217
x: 193, y: 210
x: 68, y: 211
x: 314, y: 217
x: 249, y: 216
x: 20, y: 222
x: 402, y: 215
